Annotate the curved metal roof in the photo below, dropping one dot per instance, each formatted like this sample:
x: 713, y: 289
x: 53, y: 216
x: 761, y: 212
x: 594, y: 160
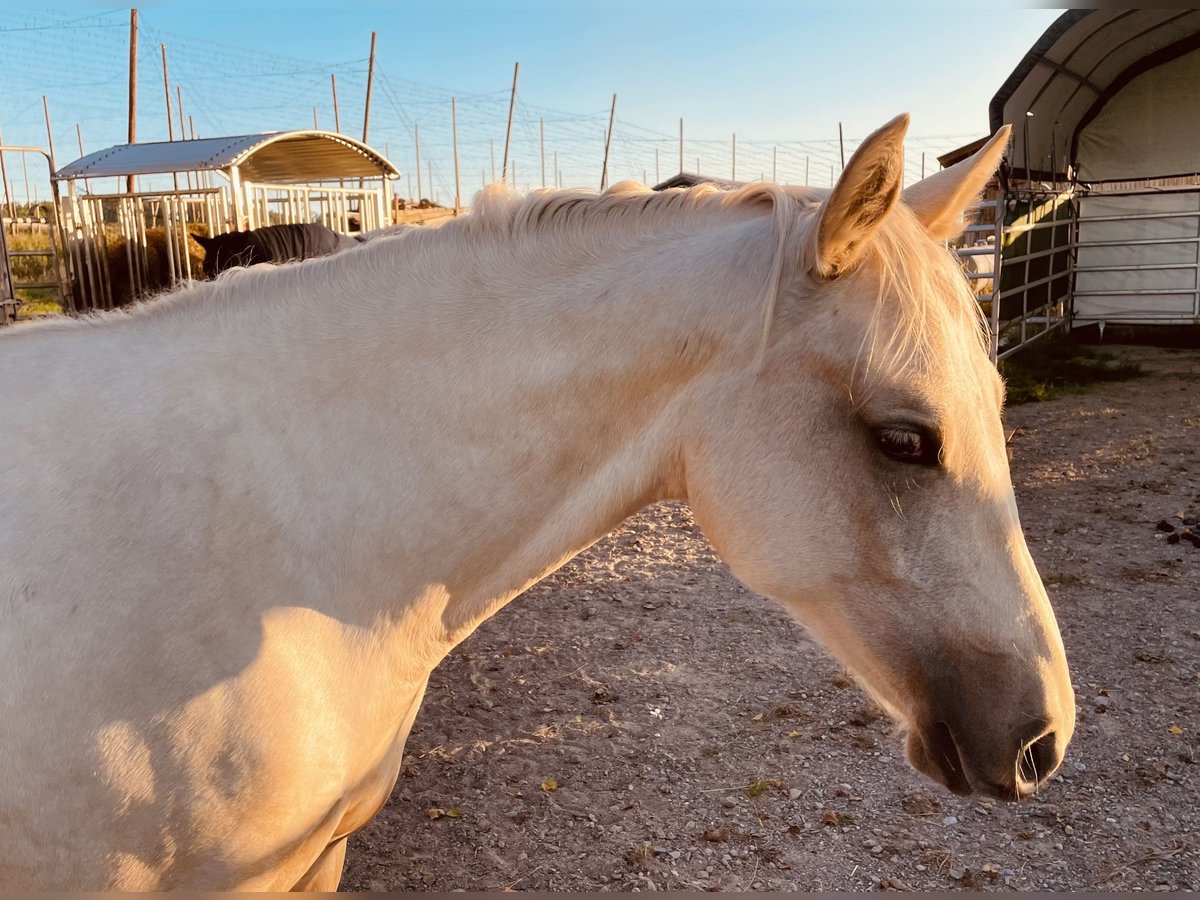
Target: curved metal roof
x: 279, y: 157
x: 1082, y: 61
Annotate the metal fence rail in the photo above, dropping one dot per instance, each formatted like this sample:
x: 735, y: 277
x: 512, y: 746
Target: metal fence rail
x: 129, y: 245
x: 1037, y: 270
x: 1018, y: 259
x: 39, y: 266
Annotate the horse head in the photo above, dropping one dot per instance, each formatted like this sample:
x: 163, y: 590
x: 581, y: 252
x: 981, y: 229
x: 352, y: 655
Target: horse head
x: 225, y: 251
x: 857, y: 472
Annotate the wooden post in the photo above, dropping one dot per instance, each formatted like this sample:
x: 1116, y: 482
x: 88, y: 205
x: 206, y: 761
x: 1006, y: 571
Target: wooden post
x: 337, y: 119
x: 542, y: 146
x: 315, y: 125
x: 922, y: 165
x: 133, y: 42
x: 512, y: 102
x: 612, y: 114
x: 79, y: 141
x: 235, y: 194
x: 454, y: 138
x: 49, y: 134
x: 179, y: 105
x: 4, y: 181
x: 182, y: 130
x: 806, y: 181
x: 841, y: 145
x: 417, y: 133
x: 370, y: 78
x: 53, y: 166
x: 167, y: 96
x: 204, y: 176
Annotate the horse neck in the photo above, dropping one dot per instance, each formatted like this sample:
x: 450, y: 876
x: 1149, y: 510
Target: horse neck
x: 521, y: 402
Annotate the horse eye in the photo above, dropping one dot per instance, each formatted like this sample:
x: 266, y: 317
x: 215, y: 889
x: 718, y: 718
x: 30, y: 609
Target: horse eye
x: 908, y: 444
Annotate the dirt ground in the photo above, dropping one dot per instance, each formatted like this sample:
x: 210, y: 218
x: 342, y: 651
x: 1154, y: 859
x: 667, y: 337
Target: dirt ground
x: 640, y: 721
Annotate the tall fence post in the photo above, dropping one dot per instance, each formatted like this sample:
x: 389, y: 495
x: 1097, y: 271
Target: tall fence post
x: 170, y: 124
x: 337, y: 119
x: 454, y: 135
x: 417, y: 140
x: 370, y: 79
x: 512, y: 102
x: 132, y: 129
x: 612, y: 115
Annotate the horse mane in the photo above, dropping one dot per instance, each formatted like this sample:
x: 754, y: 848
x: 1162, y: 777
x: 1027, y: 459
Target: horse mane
x: 629, y: 205
x: 631, y: 209
x: 912, y: 270
x: 901, y: 253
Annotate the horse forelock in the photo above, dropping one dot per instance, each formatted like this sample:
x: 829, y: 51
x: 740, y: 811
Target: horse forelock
x: 924, y: 316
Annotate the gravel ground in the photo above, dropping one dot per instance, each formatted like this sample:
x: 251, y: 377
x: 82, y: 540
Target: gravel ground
x: 640, y: 721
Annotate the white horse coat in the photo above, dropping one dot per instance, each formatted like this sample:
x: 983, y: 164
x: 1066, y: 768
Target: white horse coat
x: 240, y: 526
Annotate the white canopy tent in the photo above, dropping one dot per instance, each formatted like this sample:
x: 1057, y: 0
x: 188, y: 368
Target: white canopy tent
x: 1108, y: 101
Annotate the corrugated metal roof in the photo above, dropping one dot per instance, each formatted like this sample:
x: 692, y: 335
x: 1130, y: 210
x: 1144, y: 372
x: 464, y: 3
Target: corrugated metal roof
x: 279, y: 157
x: 1075, y: 68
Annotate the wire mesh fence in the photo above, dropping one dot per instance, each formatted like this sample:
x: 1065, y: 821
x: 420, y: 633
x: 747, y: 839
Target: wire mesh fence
x: 224, y: 89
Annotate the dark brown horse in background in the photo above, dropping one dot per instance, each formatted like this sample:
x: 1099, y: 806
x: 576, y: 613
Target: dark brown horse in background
x: 271, y: 244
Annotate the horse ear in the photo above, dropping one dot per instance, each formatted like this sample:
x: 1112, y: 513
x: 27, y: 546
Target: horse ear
x: 203, y: 241
x: 941, y: 200
x: 864, y: 195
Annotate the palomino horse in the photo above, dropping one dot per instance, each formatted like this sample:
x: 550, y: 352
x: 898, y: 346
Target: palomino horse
x: 244, y: 523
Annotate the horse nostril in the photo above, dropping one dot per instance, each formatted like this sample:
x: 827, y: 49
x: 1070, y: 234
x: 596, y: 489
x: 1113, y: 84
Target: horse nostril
x: 1039, y: 759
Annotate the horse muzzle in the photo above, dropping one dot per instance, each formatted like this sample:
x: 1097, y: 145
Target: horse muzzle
x: 1008, y: 768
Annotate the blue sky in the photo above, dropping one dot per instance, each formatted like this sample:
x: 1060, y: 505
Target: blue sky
x: 786, y: 74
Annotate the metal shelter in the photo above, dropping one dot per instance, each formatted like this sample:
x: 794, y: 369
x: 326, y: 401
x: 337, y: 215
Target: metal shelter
x: 1102, y: 186
x: 131, y: 240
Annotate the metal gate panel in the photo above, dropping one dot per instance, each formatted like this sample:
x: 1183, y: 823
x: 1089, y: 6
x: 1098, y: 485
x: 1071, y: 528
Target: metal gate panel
x: 1138, y: 258
x: 1019, y: 266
